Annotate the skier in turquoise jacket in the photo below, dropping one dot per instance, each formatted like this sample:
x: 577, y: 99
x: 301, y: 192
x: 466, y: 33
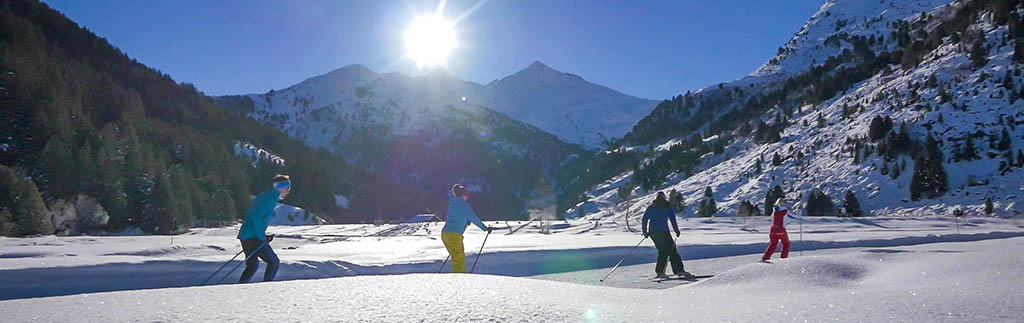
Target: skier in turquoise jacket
x: 460, y: 213
x: 253, y: 233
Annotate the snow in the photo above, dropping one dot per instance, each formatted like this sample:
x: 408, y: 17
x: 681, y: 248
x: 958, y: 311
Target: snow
x: 285, y: 214
x: 877, y: 269
x: 256, y: 153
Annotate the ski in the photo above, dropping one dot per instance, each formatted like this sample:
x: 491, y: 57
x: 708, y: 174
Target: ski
x: 684, y: 278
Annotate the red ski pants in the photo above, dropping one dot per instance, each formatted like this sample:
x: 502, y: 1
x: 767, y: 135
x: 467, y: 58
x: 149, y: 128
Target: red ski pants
x: 775, y: 238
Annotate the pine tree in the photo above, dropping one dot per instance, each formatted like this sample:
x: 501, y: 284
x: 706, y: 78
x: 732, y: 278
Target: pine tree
x: 852, y: 205
x: 930, y: 179
x: 776, y: 160
x: 30, y: 210
x: 711, y: 208
x: 970, y: 152
x: 769, y: 199
x: 1008, y: 81
x: 1018, y: 51
x: 8, y: 186
x: 8, y: 228
x: 1004, y: 141
x: 989, y: 208
x: 708, y: 193
x: 677, y: 201
x: 160, y: 207
x: 86, y: 170
x: 746, y: 209
x: 758, y: 169
x: 59, y: 168
x: 978, y: 53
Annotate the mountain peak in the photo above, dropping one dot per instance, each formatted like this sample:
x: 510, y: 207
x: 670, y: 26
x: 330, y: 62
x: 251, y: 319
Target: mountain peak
x: 440, y: 73
x: 538, y: 65
x: 354, y: 68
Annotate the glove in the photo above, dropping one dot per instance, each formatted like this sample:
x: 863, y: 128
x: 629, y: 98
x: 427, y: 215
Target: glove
x: 677, y: 234
x: 645, y: 235
x: 270, y: 238
x: 489, y: 229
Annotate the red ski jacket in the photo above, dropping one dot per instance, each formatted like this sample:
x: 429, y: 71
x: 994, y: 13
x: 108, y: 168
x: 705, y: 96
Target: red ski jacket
x: 778, y: 220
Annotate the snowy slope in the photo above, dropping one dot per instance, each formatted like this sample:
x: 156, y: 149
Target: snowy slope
x: 810, y: 46
x: 820, y: 157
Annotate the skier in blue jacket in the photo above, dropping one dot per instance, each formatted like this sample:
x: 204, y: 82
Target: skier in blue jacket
x: 253, y: 232
x: 460, y: 213
x: 657, y: 216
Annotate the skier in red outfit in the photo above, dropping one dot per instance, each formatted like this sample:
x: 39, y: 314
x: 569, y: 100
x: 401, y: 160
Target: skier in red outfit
x: 778, y: 231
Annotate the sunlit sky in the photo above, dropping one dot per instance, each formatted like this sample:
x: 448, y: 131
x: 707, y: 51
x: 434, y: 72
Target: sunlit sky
x: 650, y: 49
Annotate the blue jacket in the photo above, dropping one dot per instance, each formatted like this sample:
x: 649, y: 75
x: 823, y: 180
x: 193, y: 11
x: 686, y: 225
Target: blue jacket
x: 659, y: 218
x: 258, y: 216
x: 459, y: 215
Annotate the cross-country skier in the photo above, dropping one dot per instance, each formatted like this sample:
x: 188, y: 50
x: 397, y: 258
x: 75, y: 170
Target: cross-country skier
x: 658, y: 214
x: 460, y: 213
x: 253, y: 232
x: 778, y: 231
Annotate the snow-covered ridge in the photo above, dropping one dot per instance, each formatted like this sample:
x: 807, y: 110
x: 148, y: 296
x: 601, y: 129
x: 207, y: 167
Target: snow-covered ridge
x: 946, y: 96
x: 818, y: 39
x: 560, y: 103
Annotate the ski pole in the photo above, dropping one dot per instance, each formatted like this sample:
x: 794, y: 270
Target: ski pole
x: 254, y: 252
x: 623, y: 258
x: 221, y: 267
x: 479, y: 252
x: 443, y: 263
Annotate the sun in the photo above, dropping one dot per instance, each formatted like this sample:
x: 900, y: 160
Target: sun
x: 429, y: 40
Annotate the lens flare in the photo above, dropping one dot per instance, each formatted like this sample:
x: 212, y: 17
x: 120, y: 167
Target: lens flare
x: 429, y: 40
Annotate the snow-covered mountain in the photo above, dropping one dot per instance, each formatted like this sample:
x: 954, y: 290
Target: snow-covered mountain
x: 565, y: 105
x: 911, y: 107
x: 562, y: 104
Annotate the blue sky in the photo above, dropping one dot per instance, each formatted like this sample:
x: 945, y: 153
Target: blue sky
x: 651, y: 49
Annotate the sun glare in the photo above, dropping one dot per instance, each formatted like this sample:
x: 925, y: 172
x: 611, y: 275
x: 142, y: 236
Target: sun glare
x: 429, y: 40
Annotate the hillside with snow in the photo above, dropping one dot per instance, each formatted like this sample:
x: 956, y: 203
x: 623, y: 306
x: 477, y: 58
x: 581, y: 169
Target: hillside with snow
x: 911, y: 107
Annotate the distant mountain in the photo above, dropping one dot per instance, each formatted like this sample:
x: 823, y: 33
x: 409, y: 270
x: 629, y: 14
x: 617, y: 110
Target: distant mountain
x: 904, y: 107
x: 566, y: 105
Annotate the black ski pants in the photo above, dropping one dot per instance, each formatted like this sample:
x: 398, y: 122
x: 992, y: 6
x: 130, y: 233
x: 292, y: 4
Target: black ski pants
x: 666, y: 252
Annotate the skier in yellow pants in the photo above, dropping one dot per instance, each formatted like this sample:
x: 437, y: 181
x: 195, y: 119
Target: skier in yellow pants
x: 460, y: 213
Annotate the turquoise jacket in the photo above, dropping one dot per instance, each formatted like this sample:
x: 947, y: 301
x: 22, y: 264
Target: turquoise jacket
x: 258, y: 216
x: 459, y: 215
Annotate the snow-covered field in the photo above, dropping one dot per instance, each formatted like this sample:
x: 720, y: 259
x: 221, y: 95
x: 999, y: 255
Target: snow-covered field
x: 867, y: 269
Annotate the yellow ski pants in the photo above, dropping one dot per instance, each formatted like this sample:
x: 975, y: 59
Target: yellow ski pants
x: 453, y: 242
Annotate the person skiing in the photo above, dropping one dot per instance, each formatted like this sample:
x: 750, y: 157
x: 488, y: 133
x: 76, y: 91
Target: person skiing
x: 658, y: 214
x: 778, y: 231
x: 253, y: 231
x: 460, y: 213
